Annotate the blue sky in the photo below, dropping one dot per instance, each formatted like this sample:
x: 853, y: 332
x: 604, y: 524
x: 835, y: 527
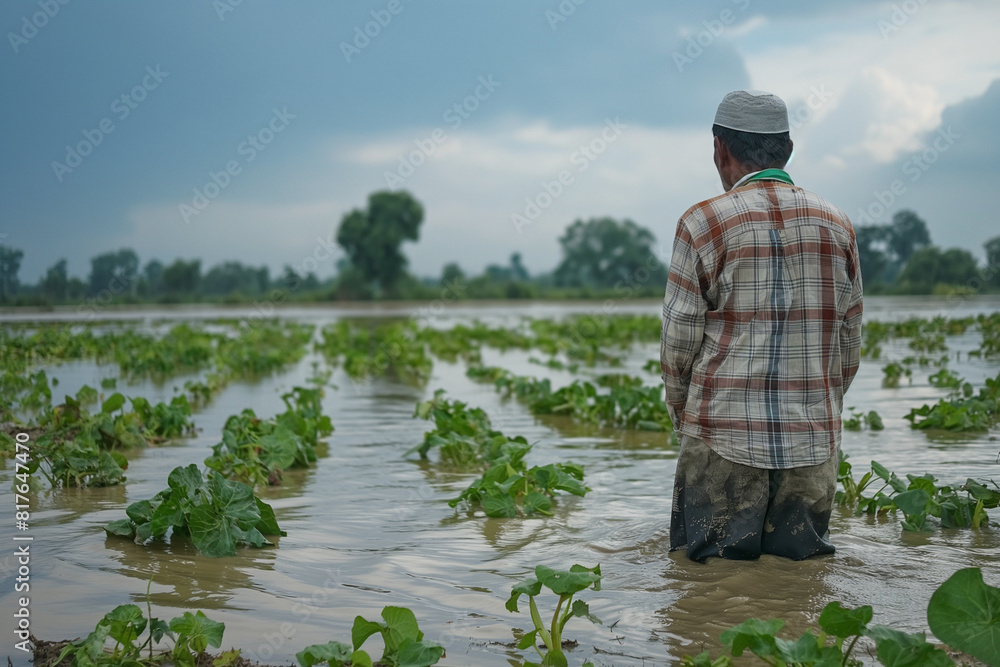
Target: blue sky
x: 871, y: 87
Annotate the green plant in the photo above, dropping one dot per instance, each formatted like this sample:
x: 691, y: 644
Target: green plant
x: 918, y: 498
x: 509, y: 487
x: 964, y: 612
x: 627, y: 403
x: 463, y: 436
x: 892, y: 373
x: 833, y: 647
x: 945, y: 379
x: 962, y: 412
x: 565, y: 584
x: 404, y: 643
x: 218, y: 514
x: 858, y: 420
x: 125, y: 624
x: 255, y: 450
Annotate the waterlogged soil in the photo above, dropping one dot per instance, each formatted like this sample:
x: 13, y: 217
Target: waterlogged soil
x: 369, y: 528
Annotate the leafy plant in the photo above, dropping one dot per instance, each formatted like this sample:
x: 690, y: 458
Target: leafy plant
x: 892, y: 372
x: 255, y: 450
x: 859, y: 420
x: 833, y: 647
x: 945, y: 379
x: 918, y: 498
x: 965, y: 412
x: 964, y: 612
x: 192, y: 635
x: 565, y: 584
x: 627, y: 404
x: 218, y: 514
x: 404, y: 643
x: 509, y: 487
x: 463, y: 436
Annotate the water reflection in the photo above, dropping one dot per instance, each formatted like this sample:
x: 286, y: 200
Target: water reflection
x: 182, y: 577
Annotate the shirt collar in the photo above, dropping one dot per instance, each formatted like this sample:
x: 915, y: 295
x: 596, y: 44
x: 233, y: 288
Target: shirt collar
x: 746, y: 178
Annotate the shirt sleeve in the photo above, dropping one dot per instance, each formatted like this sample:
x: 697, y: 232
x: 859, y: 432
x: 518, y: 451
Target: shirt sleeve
x: 850, y: 330
x: 684, y: 309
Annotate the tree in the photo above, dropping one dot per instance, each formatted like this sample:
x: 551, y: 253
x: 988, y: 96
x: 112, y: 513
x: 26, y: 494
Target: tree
x: 372, y: 237
x: 182, y: 277
x: 113, y: 271
x: 603, y: 252
x: 230, y: 277
x: 517, y: 270
x: 992, y: 248
x: 907, y: 234
x: 153, y: 273
x: 874, y: 261
x: 56, y: 281
x: 452, y: 272
x: 929, y: 267
x: 10, y: 264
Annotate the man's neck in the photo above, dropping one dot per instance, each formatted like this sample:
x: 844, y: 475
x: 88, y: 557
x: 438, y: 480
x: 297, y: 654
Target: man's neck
x: 739, y: 174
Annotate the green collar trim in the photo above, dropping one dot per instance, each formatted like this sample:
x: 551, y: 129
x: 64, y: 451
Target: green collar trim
x: 771, y: 174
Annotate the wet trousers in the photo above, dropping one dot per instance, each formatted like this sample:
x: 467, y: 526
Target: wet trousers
x: 733, y: 511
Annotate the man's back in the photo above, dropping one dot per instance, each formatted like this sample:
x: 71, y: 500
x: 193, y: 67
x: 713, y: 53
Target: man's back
x: 765, y: 281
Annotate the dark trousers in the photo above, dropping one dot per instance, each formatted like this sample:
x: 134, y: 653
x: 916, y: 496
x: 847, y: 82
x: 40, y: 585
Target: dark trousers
x: 733, y: 511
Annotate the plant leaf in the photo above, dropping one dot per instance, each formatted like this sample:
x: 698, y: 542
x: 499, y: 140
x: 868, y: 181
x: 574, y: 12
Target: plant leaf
x: 362, y: 630
x: 198, y: 631
x: 964, y: 612
x: 334, y: 653
x: 753, y: 634
x: 840, y: 622
x: 419, y: 653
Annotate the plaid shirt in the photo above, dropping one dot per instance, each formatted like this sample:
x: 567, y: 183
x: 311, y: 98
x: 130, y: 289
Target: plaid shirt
x: 762, y: 324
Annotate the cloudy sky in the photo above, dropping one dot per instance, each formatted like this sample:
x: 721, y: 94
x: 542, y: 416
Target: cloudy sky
x: 118, y: 114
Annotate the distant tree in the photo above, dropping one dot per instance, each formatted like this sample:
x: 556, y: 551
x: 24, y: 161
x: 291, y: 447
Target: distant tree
x: 958, y: 267
x: 907, y: 234
x: 230, y: 277
x: 114, y: 271
x: 153, y: 273
x: 182, y: 277
x: 55, y: 284
x: 517, y: 270
x: 992, y: 248
x: 603, y: 252
x: 930, y: 266
x: 498, y: 274
x: 76, y: 289
x: 452, y: 272
x: 10, y: 264
x: 873, y: 258
x: 372, y: 237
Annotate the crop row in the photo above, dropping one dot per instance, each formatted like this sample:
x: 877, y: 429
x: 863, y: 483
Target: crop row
x: 962, y: 612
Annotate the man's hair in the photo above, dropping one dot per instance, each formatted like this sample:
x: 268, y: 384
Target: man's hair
x: 760, y: 151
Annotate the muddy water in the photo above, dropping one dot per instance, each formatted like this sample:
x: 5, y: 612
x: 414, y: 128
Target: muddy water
x: 367, y: 528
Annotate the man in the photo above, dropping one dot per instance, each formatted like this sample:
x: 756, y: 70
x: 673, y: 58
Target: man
x: 761, y: 338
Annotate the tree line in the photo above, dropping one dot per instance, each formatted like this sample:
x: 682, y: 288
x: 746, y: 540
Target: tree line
x: 600, y: 257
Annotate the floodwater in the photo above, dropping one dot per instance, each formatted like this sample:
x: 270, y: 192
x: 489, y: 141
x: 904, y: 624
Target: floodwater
x: 368, y: 527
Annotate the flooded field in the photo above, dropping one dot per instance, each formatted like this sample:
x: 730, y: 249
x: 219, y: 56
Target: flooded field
x: 368, y: 527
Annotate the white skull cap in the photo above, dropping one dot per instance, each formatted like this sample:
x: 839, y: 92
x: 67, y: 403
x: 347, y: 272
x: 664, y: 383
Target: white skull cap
x: 754, y: 111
